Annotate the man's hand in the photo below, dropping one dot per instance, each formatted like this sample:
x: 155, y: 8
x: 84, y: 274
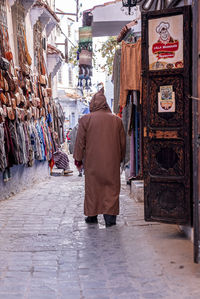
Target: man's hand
x: 79, y: 165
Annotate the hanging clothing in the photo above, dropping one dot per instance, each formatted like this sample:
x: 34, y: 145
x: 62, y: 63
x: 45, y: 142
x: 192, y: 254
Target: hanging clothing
x: 22, y: 143
x: 35, y: 141
x: 126, y: 118
x: 130, y: 72
x: 116, y: 79
x: 100, y: 142
x: 41, y: 138
x: 15, y: 140
x: 9, y: 148
x: 132, y: 155
x: 3, y: 161
x: 61, y: 120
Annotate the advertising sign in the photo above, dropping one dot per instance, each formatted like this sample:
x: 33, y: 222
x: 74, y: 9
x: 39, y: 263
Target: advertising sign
x: 166, y: 43
x: 166, y: 99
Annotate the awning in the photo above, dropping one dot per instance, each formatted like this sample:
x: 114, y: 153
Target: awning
x: 55, y: 59
x: 43, y: 12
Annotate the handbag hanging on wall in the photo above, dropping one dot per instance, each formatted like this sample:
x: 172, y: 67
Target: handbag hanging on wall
x: 7, y: 52
x: 28, y: 56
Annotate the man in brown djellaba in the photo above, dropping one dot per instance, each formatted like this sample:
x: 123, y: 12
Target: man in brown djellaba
x: 100, y: 142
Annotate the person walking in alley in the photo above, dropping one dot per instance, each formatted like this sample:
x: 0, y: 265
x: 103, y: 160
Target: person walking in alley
x: 100, y: 142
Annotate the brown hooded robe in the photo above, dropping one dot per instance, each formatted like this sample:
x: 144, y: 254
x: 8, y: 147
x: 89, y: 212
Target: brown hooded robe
x: 100, y: 142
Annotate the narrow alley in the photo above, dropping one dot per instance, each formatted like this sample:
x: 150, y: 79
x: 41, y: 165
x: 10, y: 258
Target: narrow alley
x: 47, y: 250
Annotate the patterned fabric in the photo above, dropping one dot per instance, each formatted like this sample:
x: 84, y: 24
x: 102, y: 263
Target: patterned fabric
x: 9, y: 148
x: 15, y: 141
x: 3, y: 162
x: 116, y: 79
x: 126, y: 116
x: 41, y: 138
x: 22, y: 143
x: 61, y: 160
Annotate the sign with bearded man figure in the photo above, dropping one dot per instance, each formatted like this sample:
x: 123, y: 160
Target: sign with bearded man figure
x: 166, y: 43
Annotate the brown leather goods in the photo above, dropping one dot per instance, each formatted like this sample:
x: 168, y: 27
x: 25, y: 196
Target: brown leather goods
x: 4, y: 64
x: 15, y: 79
x: 42, y: 112
x: 34, y: 88
x: 7, y: 94
x: 49, y: 92
x: 9, y: 55
x: 29, y: 114
x: 28, y: 85
x: 28, y: 57
x: 6, y: 87
x: 44, y: 92
x: 22, y: 113
x: 11, y: 82
x: 18, y: 98
x: 34, y: 112
x: 21, y: 81
x: 11, y: 113
x: 7, y: 52
x: 2, y: 119
x: 3, y: 99
x: 1, y: 81
x: 37, y: 113
x: 5, y: 111
x: 36, y: 102
x: 25, y: 69
x: 42, y: 69
x: 14, y: 103
x: 42, y: 80
x: 46, y: 101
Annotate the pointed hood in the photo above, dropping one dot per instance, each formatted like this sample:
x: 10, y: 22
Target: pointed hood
x: 99, y: 102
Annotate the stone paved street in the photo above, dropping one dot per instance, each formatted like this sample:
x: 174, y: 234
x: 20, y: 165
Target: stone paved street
x: 48, y: 252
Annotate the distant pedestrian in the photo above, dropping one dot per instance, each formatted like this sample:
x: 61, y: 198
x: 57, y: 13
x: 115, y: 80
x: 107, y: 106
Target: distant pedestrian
x: 59, y: 158
x: 101, y: 143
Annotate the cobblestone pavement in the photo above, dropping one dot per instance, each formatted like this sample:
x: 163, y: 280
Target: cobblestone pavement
x: 48, y: 252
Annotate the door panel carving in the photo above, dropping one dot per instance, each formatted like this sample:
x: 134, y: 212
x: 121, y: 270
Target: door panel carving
x: 166, y: 158
x: 168, y: 201
x: 169, y: 119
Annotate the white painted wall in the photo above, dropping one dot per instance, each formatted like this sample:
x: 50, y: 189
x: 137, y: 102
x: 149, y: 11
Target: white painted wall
x: 110, y: 13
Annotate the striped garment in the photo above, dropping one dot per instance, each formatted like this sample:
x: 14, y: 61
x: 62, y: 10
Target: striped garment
x: 61, y: 160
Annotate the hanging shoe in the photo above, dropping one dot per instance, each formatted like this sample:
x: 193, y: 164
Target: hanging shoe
x: 91, y: 219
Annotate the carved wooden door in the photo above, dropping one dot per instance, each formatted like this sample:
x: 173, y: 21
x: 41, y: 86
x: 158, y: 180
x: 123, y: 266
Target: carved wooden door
x: 167, y: 115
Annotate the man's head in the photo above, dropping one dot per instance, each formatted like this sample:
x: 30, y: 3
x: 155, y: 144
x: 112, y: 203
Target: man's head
x: 162, y: 29
x: 99, y: 101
